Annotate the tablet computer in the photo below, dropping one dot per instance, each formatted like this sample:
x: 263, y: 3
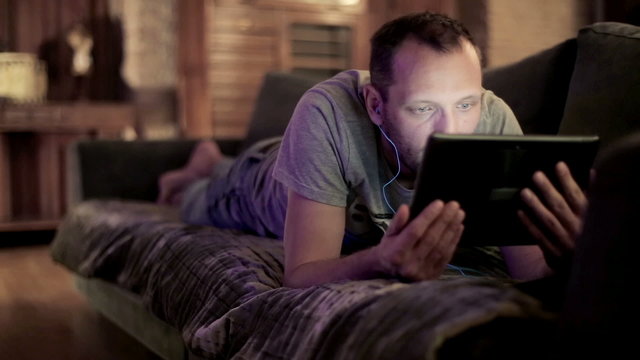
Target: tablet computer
x: 485, y: 174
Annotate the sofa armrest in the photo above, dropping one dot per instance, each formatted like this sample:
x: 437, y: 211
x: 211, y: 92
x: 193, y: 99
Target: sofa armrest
x: 121, y: 169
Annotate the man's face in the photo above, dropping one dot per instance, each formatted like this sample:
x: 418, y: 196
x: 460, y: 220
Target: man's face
x: 431, y: 92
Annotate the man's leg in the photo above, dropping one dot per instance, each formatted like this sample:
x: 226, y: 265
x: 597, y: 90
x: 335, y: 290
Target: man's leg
x: 238, y: 193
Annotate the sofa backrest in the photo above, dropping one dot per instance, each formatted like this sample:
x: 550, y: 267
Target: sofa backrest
x: 121, y: 169
x: 604, y: 91
x: 536, y: 87
x: 274, y: 106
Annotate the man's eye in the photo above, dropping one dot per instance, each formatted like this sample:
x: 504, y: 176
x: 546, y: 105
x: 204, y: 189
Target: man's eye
x: 424, y: 109
x: 464, y: 106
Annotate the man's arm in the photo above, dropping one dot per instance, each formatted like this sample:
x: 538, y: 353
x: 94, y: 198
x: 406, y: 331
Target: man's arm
x: 417, y: 250
x: 312, y: 242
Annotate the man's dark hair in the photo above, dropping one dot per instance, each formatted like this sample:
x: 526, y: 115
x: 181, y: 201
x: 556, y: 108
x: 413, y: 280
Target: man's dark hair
x: 437, y: 31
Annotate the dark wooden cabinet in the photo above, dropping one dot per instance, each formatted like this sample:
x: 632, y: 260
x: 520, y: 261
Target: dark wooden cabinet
x: 34, y: 140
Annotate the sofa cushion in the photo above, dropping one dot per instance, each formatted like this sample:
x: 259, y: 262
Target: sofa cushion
x: 604, y: 92
x: 274, y: 106
x: 536, y: 88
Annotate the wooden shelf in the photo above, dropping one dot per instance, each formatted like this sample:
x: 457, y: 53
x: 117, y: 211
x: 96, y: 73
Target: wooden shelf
x: 34, y: 140
x: 29, y: 225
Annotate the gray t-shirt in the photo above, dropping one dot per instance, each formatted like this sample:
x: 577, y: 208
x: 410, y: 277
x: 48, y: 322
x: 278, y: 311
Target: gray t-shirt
x: 330, y: 154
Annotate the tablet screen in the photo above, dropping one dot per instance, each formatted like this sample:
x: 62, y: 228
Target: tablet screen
x: 485, y: 174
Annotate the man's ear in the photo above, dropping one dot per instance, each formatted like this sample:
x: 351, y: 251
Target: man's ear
x: 373, y: 102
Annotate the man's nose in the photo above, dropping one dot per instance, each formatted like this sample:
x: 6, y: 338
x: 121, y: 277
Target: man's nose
x: 447, y: 123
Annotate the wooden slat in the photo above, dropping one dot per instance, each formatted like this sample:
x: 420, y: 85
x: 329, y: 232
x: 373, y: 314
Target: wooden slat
x: 24, y: 175
x: 5, y: 179
x: 353, y: 7
x: 259, y: 60
x: 237, y: 74
x: 249, y: 77
x: 29, y: 225
x: 223, y: 93
x: 313, y: 34
x: 320, y: 63
x: 79, y: 117
x: 194, y: 105
x: 238, y: 42
x: 240, y: 119
x: 249, y: 21
x: 235, y: 131
x: 234, y: 105
x: 49, y: 186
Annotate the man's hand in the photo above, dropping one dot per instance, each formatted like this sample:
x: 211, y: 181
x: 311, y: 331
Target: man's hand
x: 420, y: 249
x: 558, y: 216
x: 416, y: 250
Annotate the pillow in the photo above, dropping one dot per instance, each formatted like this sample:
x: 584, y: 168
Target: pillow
x: 536, y: 87
x: 604, y: 92
x: 274, y: 106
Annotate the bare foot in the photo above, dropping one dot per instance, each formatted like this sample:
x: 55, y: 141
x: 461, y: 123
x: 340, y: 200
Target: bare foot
x: 172, y: 184
x: 203, y: 158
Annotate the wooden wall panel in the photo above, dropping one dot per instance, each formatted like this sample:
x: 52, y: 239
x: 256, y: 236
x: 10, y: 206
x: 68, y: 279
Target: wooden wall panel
x: 24, y: 174
x: 38, y: 20
x: 193, y: 89
x: 248, y: 39
x: 243, y: 46
x: 6, y: 25
x: 5, y: 179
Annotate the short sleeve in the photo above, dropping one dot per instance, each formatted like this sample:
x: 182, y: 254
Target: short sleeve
x: 314, y: 154
x: 497, y: 117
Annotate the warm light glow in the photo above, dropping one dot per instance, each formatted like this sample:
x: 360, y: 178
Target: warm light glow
x: 22, y: 77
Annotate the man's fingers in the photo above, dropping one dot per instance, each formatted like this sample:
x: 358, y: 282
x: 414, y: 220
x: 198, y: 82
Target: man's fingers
x: 443, y: 252
x: 547, y: 218
x: 537, y: 234
x: 428, y: 239
x: 399, y: 220
x: 433, y: 234
x: 555, y: 203
x: 417, y: 227
x: 437, y: 245
x: 573, y: 193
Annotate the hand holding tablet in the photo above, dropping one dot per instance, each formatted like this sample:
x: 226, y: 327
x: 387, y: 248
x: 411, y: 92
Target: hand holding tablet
x: 485, y: 174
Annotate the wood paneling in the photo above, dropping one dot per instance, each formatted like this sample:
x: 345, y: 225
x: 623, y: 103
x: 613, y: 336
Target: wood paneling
x: 246, y: 39
x: 243, y: 47
x: 193, y: 89
x: 353, y: 6
x: 5, y: 178
x: 33, y: 141
x: 6, y: 26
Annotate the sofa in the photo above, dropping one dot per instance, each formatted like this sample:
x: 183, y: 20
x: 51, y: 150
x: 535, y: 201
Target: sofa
x: 198, y: 292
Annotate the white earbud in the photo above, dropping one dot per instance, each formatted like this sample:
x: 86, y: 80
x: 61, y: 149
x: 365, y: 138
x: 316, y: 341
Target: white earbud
x: 384, y: 187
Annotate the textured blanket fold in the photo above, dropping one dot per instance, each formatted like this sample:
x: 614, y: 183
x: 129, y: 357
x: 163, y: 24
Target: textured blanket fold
x: 222, y: 290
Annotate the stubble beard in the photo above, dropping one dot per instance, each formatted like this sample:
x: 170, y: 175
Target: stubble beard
x: 409, y: 158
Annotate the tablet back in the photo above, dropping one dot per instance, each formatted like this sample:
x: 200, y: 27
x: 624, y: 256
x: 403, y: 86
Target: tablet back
x: 485, y: 174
